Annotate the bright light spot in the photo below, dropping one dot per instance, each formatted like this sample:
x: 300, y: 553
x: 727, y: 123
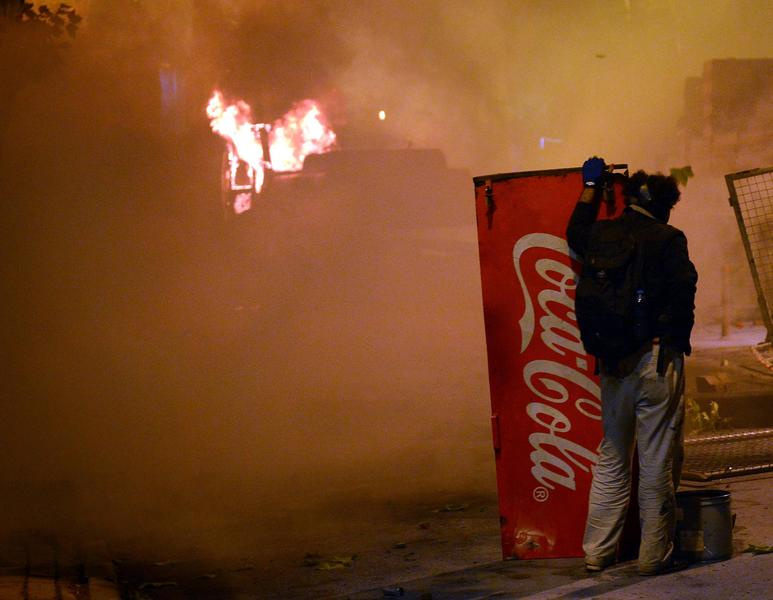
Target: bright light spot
x: 381, y: 115
x: 544, y: 141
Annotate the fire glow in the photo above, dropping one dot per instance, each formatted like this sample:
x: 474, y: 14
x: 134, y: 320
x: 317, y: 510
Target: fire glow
x: 303, y: 130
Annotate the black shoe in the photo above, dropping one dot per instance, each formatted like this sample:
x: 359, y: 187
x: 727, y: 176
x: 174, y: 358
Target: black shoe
x: 598, y: 564
x: 668, y: 564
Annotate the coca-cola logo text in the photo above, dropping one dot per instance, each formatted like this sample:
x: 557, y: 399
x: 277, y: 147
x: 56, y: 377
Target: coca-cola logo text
x: 559, y: 382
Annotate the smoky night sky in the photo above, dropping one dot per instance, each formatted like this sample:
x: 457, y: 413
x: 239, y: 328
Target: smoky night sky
x: 137, y: 396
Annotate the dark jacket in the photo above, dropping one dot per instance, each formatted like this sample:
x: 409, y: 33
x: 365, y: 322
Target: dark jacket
x: 669, y: 276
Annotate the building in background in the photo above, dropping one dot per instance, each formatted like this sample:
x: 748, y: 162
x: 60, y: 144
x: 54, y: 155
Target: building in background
x: 727, y: 123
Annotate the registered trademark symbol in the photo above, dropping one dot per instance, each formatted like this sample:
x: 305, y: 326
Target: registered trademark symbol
x: 540, y: 493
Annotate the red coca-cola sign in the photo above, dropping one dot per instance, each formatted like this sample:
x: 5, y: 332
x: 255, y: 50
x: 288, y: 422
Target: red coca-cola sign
x: 546, y: 410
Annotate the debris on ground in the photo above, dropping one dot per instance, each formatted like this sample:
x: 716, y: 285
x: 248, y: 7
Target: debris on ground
x: 759, y: 549
x: 717, y: 382
x: 452, y: 508
x: 328, y: 564
x: 157, y: 584
x: 164, y: 563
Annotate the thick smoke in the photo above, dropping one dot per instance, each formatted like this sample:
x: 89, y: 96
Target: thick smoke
x: 165, y: 373
x: 505, y: 87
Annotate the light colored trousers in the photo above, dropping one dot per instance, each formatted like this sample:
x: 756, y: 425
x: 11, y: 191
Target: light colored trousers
x: 647, y: 409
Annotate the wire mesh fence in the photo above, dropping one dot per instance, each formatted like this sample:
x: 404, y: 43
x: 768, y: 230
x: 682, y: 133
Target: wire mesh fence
x: 751, y: 194
x: 723, y: 455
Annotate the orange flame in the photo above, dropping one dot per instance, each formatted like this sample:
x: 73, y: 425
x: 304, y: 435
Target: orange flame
x: 303, y: 130
x: 233, y: 122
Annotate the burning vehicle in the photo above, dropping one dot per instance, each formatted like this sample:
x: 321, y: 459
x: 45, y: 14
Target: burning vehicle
x: 298, y: 153
x: 256, y: 151
x: 383, y: 222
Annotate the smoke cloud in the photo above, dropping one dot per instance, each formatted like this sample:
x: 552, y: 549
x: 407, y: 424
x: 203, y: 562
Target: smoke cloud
x: 169, y: 374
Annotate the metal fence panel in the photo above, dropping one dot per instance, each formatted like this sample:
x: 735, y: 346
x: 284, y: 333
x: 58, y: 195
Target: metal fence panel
x: 721, y: 455
x: 751, y: 195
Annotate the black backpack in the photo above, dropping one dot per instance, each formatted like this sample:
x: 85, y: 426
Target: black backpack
x: 610, y: 301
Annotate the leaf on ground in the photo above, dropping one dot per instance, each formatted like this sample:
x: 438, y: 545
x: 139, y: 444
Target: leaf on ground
x: 335, y: 563
x: 329, y: 564
x: 759, y: 549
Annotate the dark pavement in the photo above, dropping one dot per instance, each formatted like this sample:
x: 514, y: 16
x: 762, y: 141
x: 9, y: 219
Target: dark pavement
x: 358, y: 543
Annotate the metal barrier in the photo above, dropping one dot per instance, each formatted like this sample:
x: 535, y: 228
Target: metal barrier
x: 751, y: 196
x: 721, y: 455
